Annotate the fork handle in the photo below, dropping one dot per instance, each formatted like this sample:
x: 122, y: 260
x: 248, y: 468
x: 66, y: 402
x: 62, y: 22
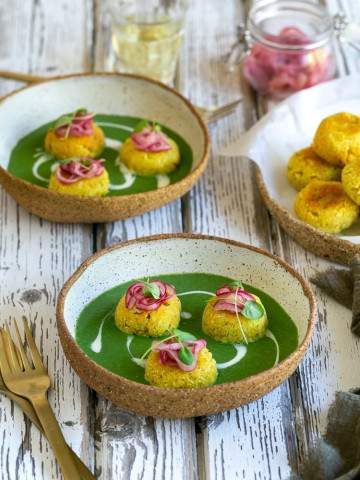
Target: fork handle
x: 55, y: 437
x: 28, y: 409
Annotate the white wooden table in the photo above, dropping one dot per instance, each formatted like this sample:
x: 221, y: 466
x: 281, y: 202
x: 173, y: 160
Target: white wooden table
x: 259, y: 441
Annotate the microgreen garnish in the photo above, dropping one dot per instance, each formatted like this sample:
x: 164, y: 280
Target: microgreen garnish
x: 66, y: 161
x: 150, y: 348
x: 180, y: 336
x: 156, y: 127
x: 236, y: 284
x: 252, y: 310
x: 64, y: 120
x: 183, y: 336
x: 141, y: 125
x: 186, y: 356
x: 81, y: 111
x: 151, y: 290
x: 239, y: 320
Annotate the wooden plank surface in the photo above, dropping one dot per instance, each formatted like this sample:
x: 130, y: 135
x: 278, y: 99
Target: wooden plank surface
x: 261, y: 440
x: 264, y: 439
x: 36, y: 257
x: 129, y: 446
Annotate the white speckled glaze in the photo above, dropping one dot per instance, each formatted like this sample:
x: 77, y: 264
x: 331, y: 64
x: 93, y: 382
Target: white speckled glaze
x: 178, y: 253
x: 109, y: 93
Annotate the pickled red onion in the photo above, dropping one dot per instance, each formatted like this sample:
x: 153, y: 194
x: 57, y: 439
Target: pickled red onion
x: 280, y: 72
x: 150, y: 140
x: 81, y: 126
x: 231, y: 299
x: 169, y: 353
x: 135, y: 297
x: 75, y: 170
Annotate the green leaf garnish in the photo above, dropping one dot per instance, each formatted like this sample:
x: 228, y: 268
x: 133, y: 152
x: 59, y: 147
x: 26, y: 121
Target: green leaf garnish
x: 151, y: 290
x: 252, y: 310
x: 156, y: 127
x: 183, y: 336
x: 65, y: 161
x: 186, y: 356
x: 236, y: 284
x: 86, y: 162
x: 64, y: 120
x: 141, y: 125
x: 81, y: 111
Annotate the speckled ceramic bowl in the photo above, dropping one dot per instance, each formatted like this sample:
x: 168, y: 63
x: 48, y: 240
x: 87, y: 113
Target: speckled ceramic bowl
x: 118, y: 94
x: 160, y: 255
x: 289, y: 126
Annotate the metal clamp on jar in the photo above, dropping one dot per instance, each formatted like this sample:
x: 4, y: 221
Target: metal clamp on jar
x: 287, y: 45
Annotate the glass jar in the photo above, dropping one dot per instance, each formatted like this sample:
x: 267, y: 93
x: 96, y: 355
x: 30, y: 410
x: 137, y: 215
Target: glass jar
x: 290, y: 47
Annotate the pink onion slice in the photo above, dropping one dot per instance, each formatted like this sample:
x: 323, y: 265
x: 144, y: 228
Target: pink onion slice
x: 135, y: 297
x: 77, y: 169
x: 150, y: 140
x: 81, y: 126
x: 169, y: 353
x: 232, y: 300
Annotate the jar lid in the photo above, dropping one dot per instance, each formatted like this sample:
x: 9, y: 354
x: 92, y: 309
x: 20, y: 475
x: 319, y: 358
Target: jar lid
x: 268, y: 17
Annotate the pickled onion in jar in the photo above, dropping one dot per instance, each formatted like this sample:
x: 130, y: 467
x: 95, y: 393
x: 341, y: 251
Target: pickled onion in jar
x: 280, y: 72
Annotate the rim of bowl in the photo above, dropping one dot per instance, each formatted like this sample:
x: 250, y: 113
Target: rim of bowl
x: 112, y: 377
x: 288, y: 221
x: 193, y: 174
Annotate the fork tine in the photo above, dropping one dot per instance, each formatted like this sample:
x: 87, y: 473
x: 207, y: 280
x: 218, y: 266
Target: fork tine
x: 10, y: 350
x: 4, y: 362
x: 21, y: 350
x: 35, y: 355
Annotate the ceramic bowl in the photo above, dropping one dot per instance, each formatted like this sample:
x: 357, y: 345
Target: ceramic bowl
x: 266, y: 144
x: 111, y: 93
x: 160, y: 255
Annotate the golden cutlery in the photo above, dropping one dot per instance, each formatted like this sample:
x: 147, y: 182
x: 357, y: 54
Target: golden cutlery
x: 30, y: 380
x: 29, y: 411
x: 209, y: 115
x: 212, y: 114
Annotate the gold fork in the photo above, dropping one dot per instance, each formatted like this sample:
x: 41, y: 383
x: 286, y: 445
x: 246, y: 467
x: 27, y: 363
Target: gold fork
x: 29, y: 411
x: 209, y: 114
x: 32, y: 382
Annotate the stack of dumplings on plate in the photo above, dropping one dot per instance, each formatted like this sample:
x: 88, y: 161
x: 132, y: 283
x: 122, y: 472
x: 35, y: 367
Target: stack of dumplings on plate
x: 327, y: 175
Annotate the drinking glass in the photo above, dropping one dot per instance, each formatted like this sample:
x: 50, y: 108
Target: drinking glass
x: 146, y: 36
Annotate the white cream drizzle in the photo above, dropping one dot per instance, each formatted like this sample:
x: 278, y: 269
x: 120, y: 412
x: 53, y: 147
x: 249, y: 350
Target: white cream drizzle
x: 96, y: 345
x: 139, y: 361
x: 113, y: 144
x: 194, y: 292
x: 162, y: 180
x: 42, y: 157
x: 241, y: 351
x: 129, y: 178
x: 270, y: 335
x: 115, y: 125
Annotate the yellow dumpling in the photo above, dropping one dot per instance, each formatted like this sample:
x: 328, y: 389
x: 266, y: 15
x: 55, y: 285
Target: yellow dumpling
x: 305, y: 165
x: 67, y: 147
x: 325, y: 205
x: 150, y: 163
x: 224, y: 326
x: 337, y: 139
x: 168, y: 376
x: 148, y: 323
x: 351, y: 180
x: 90, y: 187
